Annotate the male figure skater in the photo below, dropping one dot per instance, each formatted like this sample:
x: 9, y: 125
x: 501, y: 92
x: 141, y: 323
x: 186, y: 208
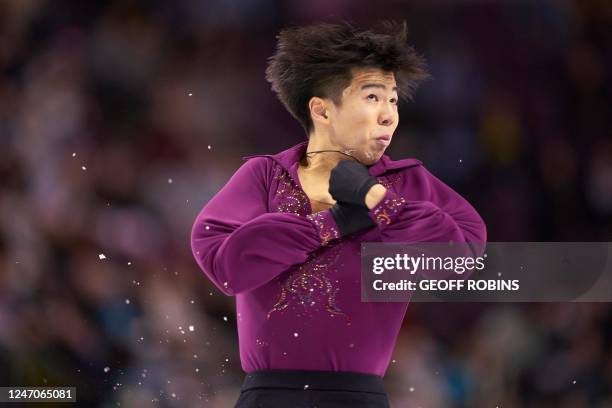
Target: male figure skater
x: 284, y: 234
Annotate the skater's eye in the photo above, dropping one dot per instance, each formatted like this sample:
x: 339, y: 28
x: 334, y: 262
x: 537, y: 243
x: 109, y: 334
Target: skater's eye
x: 374, y: 96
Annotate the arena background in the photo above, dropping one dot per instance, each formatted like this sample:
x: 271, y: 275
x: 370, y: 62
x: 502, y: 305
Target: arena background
x: 120, y: 119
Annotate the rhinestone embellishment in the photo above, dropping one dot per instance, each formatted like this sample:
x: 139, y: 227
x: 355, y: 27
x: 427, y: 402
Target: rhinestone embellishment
x: 309, y: 282
x: 326, y: 232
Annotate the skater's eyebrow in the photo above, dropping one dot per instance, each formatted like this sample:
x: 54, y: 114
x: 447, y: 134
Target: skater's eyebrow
x: 365, y: 86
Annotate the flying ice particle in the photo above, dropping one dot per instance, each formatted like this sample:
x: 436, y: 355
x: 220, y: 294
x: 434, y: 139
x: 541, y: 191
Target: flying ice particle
x: 84, y: 168
x: 225, y: 318
x: 295, y: 334
x: 106, y: 369
x: 209, y: 147
x: 169, y: 181
x: 102, y: 256
x: 73, y: 154
x: 191, y: 328
x: 127, y: 301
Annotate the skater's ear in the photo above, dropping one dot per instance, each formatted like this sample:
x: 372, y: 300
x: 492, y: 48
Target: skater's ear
x: 318, y: 110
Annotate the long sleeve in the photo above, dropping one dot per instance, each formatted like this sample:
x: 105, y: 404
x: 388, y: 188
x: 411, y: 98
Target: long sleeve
x: 427, y: 210
x: 240, y: 245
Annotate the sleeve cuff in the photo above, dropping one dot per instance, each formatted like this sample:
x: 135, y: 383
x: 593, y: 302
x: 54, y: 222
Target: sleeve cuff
x: 325, y: 225
x: 388, y: 209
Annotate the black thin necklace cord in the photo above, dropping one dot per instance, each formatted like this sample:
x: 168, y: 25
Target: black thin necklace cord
x: 334, y: 151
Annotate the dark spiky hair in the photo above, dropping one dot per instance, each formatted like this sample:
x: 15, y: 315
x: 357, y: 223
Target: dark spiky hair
x: 318, y: 59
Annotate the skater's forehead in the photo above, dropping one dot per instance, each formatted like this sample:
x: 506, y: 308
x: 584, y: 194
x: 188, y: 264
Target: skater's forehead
x: 372, y: 78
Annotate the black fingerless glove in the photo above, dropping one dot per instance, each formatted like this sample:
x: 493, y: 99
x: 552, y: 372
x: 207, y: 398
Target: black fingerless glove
x: 350, y: 182
x: 351, y: 218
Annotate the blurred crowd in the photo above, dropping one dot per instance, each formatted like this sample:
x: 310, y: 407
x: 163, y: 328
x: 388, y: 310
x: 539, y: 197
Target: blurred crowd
x: 120, y: 119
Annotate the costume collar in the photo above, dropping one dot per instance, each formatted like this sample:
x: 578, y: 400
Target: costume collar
x: 289, y: 157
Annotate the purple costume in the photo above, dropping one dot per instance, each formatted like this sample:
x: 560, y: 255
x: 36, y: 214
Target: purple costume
x: 297, y: 286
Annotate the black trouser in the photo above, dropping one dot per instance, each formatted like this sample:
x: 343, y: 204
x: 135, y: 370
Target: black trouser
x: 310, y: 389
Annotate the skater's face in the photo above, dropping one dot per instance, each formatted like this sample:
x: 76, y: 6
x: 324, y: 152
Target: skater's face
x: 364, y: 123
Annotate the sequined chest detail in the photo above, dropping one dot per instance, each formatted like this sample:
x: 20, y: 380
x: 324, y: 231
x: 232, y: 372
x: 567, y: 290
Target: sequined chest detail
x: 309, y: 286
x: 390, y: 180
x: 289, y: 197
x: 325, y: 230
x: 390, y: 207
